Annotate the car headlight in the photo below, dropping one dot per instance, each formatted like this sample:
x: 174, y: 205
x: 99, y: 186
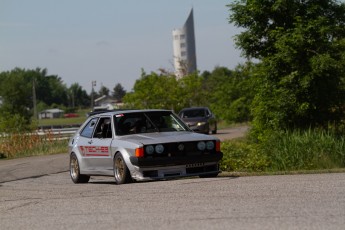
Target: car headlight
x: 159, y: 149
x: 149, y: 149
x: 201, y: 145
x: 209, y: 145
x: 201, y: 123
x: 180, y: 147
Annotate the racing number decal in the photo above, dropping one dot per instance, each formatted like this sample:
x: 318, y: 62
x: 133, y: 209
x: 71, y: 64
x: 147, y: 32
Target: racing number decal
x: 98, y: 151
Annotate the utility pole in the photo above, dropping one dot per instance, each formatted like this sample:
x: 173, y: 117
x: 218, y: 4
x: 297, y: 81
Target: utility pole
x: 93, y: 83
x: 73, y: 104
x: 34, y: 101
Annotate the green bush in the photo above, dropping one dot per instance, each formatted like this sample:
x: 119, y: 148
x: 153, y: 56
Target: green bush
x: 240, y: 155
x: 10, y: 123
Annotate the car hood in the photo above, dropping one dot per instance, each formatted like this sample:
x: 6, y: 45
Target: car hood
x: 166, y: 137
x: 194, y: 119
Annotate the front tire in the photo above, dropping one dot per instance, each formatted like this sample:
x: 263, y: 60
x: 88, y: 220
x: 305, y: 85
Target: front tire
x: 121, y: 172
x: 74, y: 171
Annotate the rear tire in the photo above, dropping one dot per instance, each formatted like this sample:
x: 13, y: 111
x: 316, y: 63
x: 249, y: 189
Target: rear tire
x: 74, y: 171
x: 121, y: 172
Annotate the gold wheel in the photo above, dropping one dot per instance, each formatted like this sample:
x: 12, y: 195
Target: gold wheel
x: 74, y: 168
x: 121, y: 172
x: 74, y: 171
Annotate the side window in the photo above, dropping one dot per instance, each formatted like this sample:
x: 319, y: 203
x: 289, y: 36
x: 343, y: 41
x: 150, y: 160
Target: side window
x: 207, y: 113
x: 88, y: 129
x: 103, y: 129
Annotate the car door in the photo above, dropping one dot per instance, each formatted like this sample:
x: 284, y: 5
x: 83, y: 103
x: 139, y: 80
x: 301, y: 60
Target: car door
x: 100, y: 146
x: 211, y: 119
x: 94, y: 145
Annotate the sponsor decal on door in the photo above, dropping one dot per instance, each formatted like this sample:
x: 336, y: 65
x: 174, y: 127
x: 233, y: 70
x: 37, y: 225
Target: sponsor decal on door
x: 94, y: 151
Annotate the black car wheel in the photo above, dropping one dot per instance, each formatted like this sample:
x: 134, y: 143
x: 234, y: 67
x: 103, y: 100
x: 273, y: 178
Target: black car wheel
x: 214, y: 131
x: 121, y: 172
x: 207, y: 129
x: 74, y: 171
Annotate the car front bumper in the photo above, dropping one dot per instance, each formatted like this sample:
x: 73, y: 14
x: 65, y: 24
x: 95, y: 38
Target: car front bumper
x: 163, y: 168
x: 158, y: 173
x: 200, y: 128
x: 171, y: 161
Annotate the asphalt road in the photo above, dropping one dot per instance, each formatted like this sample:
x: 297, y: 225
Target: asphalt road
x: 266, y: 202
x: 47, y: 199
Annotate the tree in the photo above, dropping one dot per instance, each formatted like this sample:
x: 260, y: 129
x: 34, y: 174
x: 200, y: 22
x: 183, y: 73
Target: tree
x: 192, y: 91
x: 22, y: 90
x: 50, y: 89
x: 119, y: 92
x: 16, y: 94
x: 300, y: 46
x: 78, y: 97
x: 58, y: 91
x: 231, y: 92
x: 103, y: 91
x: 153, y: 91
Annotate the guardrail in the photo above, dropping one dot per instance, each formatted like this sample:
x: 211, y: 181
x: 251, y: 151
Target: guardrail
x: 57, y: 131
x: 62, y: 133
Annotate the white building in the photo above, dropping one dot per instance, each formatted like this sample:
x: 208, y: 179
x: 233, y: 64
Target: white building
x: 50, y: 113
x: 107, y: 102
x: 184, y: 48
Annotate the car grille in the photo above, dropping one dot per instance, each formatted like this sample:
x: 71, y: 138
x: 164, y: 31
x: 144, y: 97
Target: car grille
x: 189, y: 171
x: 203, y: 169
x: 172, y: 150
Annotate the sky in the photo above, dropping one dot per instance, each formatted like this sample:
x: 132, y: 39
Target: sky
x: 111, y: 41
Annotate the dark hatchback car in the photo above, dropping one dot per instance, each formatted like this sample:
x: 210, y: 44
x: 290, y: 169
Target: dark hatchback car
x: 199, y: 119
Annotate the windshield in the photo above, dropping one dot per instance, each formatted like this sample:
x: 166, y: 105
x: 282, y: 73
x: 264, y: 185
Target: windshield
x: 193, y: 113
x: 148, y: 122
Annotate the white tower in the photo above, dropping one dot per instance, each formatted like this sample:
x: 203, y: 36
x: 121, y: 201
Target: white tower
x: 184, y: 48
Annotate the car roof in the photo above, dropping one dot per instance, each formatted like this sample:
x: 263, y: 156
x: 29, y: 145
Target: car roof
x: 193, y: 108
x: 124, y: 111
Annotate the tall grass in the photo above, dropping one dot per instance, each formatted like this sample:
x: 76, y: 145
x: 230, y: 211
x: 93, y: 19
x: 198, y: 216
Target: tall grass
x: 310, y: 149
x: 286, y: 151
x: 22, y: 144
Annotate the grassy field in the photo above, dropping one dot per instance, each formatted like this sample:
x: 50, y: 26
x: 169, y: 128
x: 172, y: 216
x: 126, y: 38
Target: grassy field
x: 62, y: 121
x: 65, y: 121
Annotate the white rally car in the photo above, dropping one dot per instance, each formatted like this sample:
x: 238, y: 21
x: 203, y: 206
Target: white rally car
x: 141, y: 145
